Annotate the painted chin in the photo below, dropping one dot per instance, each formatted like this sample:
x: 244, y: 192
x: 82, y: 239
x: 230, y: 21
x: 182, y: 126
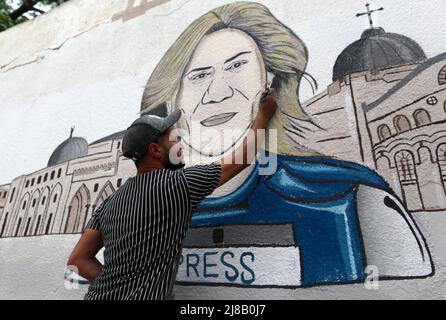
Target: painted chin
x: 239, y: 121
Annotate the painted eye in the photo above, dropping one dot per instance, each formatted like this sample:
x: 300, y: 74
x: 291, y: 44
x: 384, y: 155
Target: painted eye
x: 199, y: 77
x: 236, y: 65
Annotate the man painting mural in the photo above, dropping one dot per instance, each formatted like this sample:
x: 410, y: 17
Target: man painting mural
x: 344, y: 215
x: 143, y: 224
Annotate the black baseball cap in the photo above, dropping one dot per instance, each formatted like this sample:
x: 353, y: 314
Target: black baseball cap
x: 145, y: 130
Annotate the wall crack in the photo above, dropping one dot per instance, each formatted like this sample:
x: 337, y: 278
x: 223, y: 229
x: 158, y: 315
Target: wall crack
x: 4, y: 68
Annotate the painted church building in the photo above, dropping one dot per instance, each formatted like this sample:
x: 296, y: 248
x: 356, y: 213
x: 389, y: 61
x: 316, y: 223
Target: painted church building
x: 387, y: 109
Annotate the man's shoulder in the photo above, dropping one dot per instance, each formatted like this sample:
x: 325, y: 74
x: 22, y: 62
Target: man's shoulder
x: 160, y: 179
x: 155, y: 175
x: 202, y: 168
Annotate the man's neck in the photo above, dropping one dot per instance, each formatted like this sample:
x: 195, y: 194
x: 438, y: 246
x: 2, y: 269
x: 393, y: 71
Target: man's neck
x: 148, y: 167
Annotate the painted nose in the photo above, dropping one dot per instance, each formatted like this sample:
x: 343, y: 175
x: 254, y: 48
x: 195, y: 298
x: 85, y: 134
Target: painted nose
x: 218, y: 91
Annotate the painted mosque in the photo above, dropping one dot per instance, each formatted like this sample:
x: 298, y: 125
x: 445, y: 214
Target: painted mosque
x: 386, y: 108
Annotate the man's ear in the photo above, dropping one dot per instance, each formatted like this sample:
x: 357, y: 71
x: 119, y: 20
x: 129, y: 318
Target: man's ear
x: 154, y: 150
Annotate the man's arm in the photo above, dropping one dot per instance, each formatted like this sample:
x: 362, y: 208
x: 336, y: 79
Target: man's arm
x: 229, y: 167
x: 83, y: 256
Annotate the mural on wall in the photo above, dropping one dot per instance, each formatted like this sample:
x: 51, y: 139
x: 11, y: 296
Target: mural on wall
x: 352, y: 165
x: 316, y: 219
x: 60, y: 198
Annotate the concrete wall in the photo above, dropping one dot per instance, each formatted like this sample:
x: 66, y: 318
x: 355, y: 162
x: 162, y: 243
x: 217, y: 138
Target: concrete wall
x: 314, y: 227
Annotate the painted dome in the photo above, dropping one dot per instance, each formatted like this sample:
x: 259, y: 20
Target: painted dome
x: 71, y: 148
x: 377, y: 50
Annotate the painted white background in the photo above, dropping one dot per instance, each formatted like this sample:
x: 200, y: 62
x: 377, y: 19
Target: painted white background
x: 37, y: 273
x: 96, y: 78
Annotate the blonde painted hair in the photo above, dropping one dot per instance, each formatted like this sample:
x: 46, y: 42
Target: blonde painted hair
x: 283, y: 52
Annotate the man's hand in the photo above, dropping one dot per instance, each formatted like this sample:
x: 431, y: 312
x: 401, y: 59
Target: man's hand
x: 83, y: 256
x: 268, y: 104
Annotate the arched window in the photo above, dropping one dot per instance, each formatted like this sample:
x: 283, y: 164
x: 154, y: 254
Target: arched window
x: 24, y: 205
x: 441, y: 152
x: 424, y: 154
x: 4, y: 195
x: 119, y: 145
x: 406, y: 167
x: 384, y: 132
x: 39, y: 179
x: 12, y: 195
x: 118, y: 183
x: 59, y: 172
x: 52, y: 175
x: 87, y: 208
x: 55, y: 198
x: 45, y: 177
x: 401, y: 123
x: 43, y: 200
x: 78, y: 210
x: 421, y: 117
x: 36, y: 229
x: 4, y: 224
x: 32, y: 182
x: 442, y: 76
x: 27, y: 227
x: 47, y: 230
x: 27, y: 184
x: 18, y: 227
x: 96, y: 187
x: 34, y: 202
x: 441, y: 156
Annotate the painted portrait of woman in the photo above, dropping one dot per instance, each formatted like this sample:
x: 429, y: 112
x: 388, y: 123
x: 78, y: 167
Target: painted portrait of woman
x: 344, y: 215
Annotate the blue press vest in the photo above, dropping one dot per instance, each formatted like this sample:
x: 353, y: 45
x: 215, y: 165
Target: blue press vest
x: 317, y: 196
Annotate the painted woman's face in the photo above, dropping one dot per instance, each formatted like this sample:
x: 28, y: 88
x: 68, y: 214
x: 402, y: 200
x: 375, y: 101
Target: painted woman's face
x: 220, y: 90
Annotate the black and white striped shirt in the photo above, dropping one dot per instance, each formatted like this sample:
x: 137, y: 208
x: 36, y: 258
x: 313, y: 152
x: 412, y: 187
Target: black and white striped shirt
x: 143, y: 225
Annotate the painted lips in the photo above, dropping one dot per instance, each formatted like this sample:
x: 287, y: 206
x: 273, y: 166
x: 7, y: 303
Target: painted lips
x: 218, y: 119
